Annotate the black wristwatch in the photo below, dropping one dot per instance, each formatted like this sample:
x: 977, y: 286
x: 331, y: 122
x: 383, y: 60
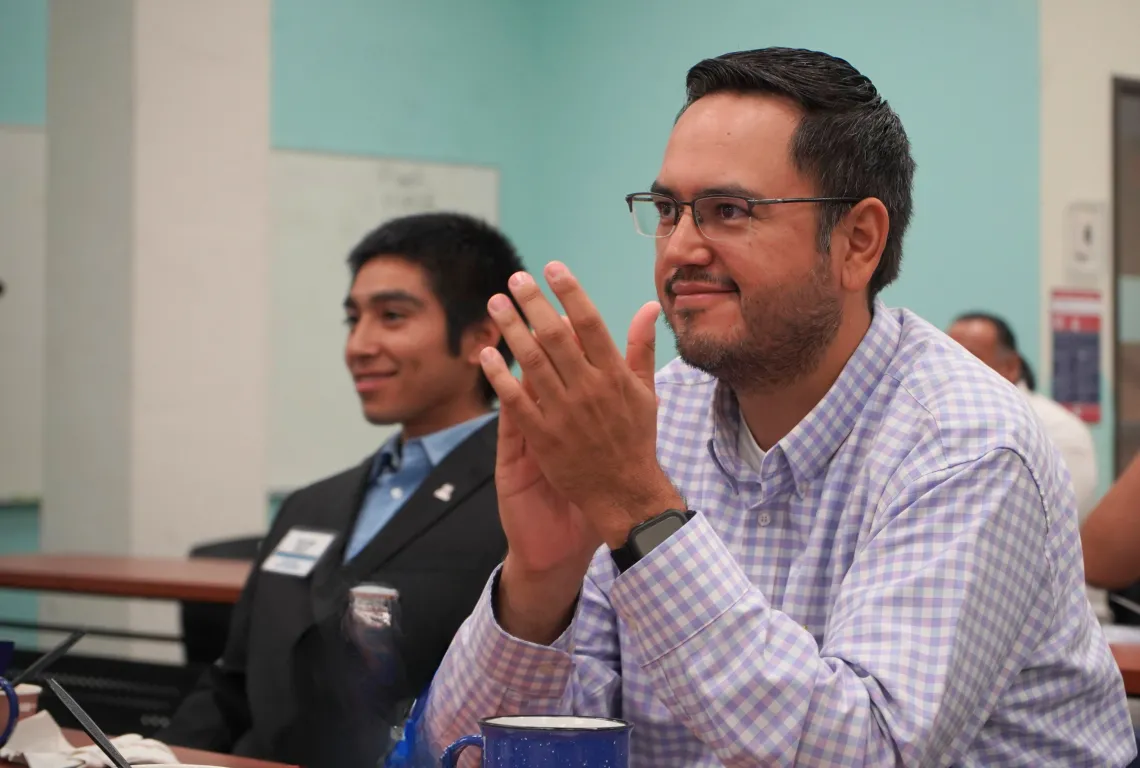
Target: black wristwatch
x: 648, y: 535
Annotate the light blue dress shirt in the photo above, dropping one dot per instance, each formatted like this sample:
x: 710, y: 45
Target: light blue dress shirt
x: 398, y: 472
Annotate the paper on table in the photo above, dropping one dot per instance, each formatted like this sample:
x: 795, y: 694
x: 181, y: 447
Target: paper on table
x: 36, y: 735
x: 38, y: 742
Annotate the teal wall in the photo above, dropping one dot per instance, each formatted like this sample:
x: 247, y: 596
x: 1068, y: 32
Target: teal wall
x: 23, y: 61
x: 440, y: 80
x: 19, y: 533
x: 23, y: 101
x: 573, y: 101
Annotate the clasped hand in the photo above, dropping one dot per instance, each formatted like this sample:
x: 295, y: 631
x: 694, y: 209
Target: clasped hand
x: 577, y: 455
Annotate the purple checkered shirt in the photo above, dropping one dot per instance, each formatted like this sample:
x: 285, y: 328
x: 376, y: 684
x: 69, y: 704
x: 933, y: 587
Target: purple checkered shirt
x: 900, y: 584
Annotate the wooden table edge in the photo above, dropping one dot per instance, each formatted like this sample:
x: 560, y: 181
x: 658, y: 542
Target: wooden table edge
x: 108, y: 586
x: 35, y: 572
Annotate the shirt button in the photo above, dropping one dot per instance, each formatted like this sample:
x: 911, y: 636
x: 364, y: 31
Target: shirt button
x: 397, y: 492
x: 765, y: 519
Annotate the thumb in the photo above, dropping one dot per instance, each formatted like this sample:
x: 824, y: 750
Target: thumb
x: 641, y: 343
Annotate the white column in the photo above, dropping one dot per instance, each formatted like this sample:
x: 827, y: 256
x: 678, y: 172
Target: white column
x: 157, y: 286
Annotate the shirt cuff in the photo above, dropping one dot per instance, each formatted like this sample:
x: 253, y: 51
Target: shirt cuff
x: 677, y: 590
x: 526, y: 669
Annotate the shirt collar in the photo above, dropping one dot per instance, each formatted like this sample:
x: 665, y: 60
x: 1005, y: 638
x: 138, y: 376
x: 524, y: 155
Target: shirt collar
x: 437, y: 445
x: 808, y: 448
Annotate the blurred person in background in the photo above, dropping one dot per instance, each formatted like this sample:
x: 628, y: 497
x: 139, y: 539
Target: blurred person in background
x: 419, y: 516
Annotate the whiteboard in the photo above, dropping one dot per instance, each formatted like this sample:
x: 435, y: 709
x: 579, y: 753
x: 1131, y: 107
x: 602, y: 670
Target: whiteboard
x: 321, y: 206
x: 23, y: 209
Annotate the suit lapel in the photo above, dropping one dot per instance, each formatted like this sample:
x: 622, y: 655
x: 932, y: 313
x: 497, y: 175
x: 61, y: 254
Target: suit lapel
x: 340, y: 513
x: 461, y: 472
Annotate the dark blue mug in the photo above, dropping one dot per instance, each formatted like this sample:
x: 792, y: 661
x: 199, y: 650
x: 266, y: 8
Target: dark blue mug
x: 13, y: 711
x: 547, y: 741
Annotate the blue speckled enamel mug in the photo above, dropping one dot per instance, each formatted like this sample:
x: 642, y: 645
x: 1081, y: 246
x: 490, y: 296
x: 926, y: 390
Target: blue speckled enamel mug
x: 7, y: 649
x: 526, y: 741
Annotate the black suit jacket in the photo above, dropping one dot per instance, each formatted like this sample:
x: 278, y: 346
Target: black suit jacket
x: 291, y: 686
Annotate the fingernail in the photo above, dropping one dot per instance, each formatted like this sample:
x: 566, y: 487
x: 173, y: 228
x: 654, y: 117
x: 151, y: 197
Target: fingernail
x: 498, y: 303
x: 520, y: 278
x: 487, y: 355
x: 556, y: 271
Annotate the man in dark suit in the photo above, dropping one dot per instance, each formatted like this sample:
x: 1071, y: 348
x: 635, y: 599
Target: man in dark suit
x: 420, y: 515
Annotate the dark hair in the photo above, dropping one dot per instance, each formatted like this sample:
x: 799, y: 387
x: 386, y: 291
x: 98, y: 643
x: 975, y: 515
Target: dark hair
x: 1027, y: 375
x: 850, y: 141
x: 467, y: 262
x: 1006, y: 340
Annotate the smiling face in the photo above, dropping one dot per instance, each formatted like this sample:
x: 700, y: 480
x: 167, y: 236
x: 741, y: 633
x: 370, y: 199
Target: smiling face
x: 757, y: 310
x: 398, y: 355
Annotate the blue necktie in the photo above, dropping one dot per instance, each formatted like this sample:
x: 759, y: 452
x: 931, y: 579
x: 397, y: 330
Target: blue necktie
x: 391, y: 489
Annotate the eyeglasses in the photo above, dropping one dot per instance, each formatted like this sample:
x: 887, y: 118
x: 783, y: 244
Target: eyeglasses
x: 718, y: 217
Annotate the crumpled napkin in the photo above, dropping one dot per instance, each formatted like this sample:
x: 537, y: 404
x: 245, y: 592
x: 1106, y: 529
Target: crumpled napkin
x: 38, y: 742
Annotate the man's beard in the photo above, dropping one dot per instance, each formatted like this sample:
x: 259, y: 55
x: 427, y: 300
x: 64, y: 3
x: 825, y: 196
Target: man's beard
x: 785, y: 334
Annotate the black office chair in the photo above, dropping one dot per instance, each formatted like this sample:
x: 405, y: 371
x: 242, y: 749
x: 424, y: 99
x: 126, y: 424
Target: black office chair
x: 121, y: 695
x: 205, y: 625
x: 1122, y: 614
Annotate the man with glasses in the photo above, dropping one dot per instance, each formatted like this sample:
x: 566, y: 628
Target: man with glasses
x: 827, y: 535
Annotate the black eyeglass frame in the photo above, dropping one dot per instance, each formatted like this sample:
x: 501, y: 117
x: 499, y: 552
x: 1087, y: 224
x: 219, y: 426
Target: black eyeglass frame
x: 649, y: 197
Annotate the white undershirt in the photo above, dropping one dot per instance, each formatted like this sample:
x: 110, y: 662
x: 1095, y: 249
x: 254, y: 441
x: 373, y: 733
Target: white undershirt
x: 750, y: 451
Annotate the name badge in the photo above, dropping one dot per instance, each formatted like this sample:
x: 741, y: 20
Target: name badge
x: 298, y: 552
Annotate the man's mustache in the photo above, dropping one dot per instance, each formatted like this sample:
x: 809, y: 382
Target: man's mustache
x: 697, y: 275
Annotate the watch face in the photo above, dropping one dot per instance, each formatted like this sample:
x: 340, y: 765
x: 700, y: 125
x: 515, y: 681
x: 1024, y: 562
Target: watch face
x: 649, y: 537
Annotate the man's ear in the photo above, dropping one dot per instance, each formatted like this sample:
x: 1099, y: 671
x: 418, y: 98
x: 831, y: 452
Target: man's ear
x: 479, y: 335
x: 858, y: 242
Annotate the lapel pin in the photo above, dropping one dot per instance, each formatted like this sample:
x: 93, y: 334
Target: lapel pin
x: 443, y: 493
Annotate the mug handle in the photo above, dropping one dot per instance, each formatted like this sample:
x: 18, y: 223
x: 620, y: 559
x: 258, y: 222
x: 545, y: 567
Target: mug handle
x: 450, y: 756
x: 13, y: 711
